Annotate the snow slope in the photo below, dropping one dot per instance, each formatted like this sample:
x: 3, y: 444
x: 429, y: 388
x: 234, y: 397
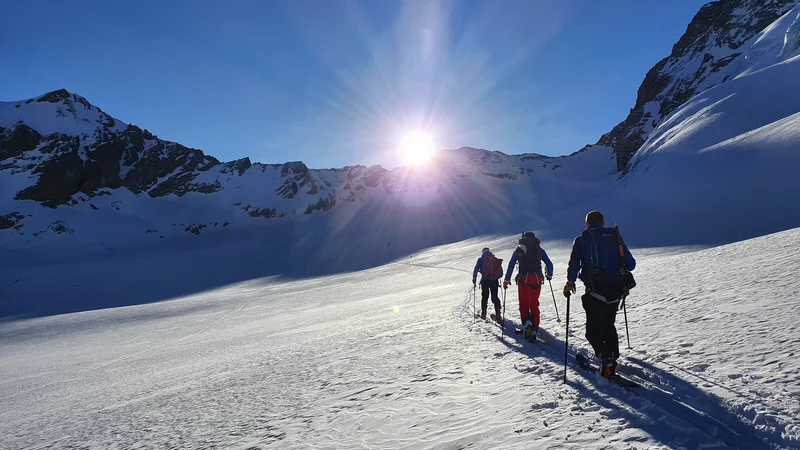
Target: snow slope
x: 390, y: 358
x: 733, y: 147
x: 776, y: 43
x: 351, y: 237
x: 716, y: 39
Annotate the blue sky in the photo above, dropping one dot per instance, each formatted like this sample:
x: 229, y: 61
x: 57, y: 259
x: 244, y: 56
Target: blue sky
x: 335, y: 83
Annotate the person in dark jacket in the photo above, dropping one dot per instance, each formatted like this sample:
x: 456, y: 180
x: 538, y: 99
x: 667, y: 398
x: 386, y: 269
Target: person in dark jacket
x: 530, y: 255
x: 596, y: 261
x: 491, y: 270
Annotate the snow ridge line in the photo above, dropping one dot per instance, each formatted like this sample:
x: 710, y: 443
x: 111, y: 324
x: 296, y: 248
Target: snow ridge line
x: 432, y: 266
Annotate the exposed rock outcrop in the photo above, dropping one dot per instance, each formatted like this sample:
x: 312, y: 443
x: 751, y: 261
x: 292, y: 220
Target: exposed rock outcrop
x: 711, y: 41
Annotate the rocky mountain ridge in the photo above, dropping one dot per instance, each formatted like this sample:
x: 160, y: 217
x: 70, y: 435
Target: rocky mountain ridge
x: 713, y: 40
x: 60, y: 151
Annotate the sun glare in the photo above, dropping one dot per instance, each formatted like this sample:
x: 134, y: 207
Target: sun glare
x: 416, y: 148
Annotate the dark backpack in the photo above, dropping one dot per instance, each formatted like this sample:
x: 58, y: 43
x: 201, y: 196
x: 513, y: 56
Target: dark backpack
x: 604, y: 250
x: 492, y: 266
x: 599, y: 255
x: 529, y: 255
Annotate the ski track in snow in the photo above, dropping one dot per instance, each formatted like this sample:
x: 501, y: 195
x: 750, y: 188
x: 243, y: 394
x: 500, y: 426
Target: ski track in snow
x: 331, y: 363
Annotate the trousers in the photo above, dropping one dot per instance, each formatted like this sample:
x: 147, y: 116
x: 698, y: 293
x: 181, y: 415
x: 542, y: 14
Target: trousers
x: 600, y: 329
x: 529, y: 287
x: 489, y: 287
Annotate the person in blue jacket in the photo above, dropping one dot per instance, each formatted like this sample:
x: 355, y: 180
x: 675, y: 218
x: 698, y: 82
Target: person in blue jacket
x: 596, y: 261
x: 491, y: 270
x: 530, y: 255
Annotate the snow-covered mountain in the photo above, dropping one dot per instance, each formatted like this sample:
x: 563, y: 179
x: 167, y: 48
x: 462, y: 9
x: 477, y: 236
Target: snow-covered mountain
x: 715, y: 39
x: 729, y: 154
x: 61, y: 152
x: 718, y: 139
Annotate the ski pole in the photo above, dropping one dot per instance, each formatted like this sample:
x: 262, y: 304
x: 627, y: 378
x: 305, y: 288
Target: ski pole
x: 566, y: 343
x: 474, y: 305
x: 558, y: 318
x: 625, y: 312
x: 503, y: 317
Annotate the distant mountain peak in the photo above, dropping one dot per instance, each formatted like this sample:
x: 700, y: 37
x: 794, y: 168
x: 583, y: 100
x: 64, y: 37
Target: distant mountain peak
x: 66, y: 98
x: 56, y: 96
x: 58, y: 111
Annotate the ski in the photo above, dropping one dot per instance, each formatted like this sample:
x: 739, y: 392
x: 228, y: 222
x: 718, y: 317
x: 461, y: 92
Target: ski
x: 494, y: 319
x: 583, y: 363
x: 537, y: 339
x: 490, y: 318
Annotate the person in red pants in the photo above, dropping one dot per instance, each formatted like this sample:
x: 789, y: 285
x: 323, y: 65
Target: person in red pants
x: 530, y: 255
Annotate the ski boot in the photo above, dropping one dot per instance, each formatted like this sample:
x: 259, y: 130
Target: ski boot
x: 497, y: 315
x: 483, y: 314
x: 608, y: 367
x: 530, y: 331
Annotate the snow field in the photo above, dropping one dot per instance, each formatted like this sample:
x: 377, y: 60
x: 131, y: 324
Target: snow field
x: 328, y: 363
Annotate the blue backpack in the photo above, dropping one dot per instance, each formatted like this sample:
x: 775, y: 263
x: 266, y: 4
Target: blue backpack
x: 604, y: 259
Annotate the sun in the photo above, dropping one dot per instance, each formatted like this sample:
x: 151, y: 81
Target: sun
x: 416, y: 148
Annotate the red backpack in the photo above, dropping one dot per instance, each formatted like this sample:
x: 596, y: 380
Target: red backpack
x: 492, y: 266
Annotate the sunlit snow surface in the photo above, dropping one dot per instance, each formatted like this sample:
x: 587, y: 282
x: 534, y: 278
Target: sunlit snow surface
x: 328, y: 363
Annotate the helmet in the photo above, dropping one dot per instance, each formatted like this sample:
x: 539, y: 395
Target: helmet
x: 484, y: 249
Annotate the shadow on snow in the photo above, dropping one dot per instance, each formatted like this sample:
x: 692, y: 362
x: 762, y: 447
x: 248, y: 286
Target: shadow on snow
x: 676, y: 413
x: 64, y: 280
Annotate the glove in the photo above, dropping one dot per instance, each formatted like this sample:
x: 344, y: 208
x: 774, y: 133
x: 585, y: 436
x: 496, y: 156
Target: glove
x: 548, y: 277
x: 569, y: 289
x: 505, y: 284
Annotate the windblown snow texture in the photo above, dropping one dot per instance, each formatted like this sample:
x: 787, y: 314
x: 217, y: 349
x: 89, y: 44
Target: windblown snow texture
x: 391, y: 358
